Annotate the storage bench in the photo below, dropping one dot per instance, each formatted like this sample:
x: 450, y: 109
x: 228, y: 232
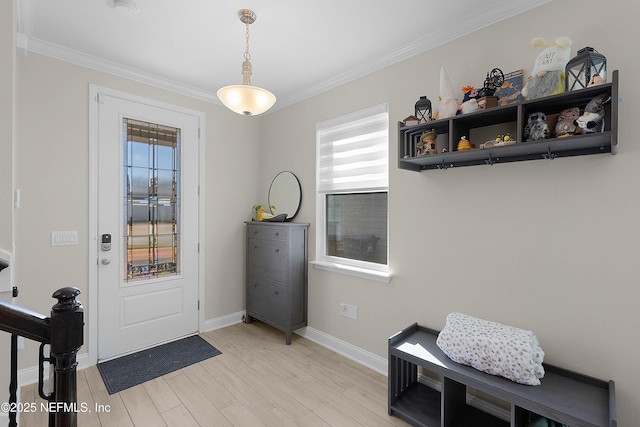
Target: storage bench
x: 564, y: 396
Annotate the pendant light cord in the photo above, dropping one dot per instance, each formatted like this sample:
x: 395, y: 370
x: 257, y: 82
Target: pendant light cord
x: 247, y: 56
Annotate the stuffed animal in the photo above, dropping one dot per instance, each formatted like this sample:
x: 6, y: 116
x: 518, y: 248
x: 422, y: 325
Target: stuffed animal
x: 596, y: 80
x: 448, y: 102
x: 536, y: 127
x: 470, y: 100
x: 565, y: 125
x: 547, y: 76
x: 590, y: 121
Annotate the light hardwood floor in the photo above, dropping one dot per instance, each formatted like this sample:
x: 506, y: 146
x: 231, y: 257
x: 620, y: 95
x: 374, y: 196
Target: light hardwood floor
x: 256, y: 381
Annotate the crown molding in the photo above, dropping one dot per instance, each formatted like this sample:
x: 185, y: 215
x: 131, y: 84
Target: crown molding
x: 421, y: 45
x: 89, y: 61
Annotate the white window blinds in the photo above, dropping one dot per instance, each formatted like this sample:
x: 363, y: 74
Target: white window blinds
x: 353, y: 151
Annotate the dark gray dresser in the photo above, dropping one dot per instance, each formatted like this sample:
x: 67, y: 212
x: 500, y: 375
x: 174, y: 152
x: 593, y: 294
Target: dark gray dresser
x: 277, y: 274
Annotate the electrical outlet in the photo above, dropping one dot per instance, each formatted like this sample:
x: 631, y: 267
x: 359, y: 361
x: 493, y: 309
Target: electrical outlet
x: 348, y: 310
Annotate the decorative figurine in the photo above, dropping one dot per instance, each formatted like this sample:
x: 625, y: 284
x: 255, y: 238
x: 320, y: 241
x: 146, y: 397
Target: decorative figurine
x: 565, y: 125
x: 427, y: 144
x: 592, y: 119
x: 596, y: 80
x: 470, y: 100
x: 448, y: 101
x: 493, y: 81
x: 536, y: 127
x: 499, y: 141
x: 464, y: 144
x: 548, y: 74
x: 411, y: 121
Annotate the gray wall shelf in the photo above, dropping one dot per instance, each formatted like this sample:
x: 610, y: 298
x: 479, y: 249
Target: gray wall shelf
x: 513, y: 116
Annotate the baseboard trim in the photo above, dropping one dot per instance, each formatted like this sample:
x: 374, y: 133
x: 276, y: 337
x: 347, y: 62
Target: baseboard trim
x: 368, y: 359
x: 223, y: 321
x: 380, y: 364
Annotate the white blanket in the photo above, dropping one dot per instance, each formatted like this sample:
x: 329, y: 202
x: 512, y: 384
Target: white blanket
x: 493, y: 348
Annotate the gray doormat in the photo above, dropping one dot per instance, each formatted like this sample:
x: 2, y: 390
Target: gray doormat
x: 133, y: 369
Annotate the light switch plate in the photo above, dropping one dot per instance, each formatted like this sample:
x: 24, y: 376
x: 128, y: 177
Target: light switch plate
x: 64, y: 238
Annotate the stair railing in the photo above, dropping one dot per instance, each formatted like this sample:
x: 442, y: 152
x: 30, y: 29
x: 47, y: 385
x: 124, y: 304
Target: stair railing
x: 63, y: 331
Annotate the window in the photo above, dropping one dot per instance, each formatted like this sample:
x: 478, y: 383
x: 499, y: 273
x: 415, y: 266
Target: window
x: 352, y: 165
x: 151, y: 199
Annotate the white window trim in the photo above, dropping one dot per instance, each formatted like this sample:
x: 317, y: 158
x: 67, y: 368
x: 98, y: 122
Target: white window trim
x: 365, y: 273
x: 362, y: 269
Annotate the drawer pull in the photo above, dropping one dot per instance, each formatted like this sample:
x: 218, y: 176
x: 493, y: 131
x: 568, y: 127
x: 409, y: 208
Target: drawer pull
x: 255, y: 285
x: 277, y: 250
x: 277, y: 234
x: 276, y: 292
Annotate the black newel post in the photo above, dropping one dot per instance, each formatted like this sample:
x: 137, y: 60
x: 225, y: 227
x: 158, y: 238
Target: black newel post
x: 66, y: 339
x: 13, y: 385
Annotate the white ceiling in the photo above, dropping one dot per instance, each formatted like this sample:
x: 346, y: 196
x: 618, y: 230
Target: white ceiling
x: 298, y: 48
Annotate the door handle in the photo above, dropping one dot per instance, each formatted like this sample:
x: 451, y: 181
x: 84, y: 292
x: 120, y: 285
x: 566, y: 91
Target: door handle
x: 105, y: 261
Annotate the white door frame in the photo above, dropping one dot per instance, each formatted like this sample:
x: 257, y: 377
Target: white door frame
x: 92, y: 309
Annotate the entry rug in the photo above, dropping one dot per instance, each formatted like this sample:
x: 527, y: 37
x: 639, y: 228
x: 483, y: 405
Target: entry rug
x: 136, y: 368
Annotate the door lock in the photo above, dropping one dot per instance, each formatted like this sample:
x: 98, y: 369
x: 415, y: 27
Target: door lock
x: 106, y: 242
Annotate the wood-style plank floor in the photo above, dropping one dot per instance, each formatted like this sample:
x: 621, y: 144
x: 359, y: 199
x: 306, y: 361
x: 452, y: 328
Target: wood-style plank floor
x: 256, y: 381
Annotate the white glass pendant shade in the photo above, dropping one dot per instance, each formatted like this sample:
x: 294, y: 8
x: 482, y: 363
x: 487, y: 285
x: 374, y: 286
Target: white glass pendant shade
x: 246, y: 99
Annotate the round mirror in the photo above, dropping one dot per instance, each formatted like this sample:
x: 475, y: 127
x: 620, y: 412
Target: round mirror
x: 285, y: 194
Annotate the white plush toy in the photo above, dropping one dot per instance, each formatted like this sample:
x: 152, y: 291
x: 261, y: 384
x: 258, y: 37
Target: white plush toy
x: 547, y: 76
x: 448, y: 102
x: 591, y: 120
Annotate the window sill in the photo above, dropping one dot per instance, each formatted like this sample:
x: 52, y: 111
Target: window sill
x: 380, y: 276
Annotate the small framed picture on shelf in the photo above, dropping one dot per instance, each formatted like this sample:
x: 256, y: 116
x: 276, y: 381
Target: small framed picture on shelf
x: 511, y: 90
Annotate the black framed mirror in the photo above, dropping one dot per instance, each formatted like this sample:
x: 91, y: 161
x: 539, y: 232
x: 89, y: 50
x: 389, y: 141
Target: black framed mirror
x: 285, y: 194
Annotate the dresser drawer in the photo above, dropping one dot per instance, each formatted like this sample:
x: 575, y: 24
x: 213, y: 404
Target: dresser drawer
x: 267, y: 258
x: 267, y: 299
x: 273, y: 232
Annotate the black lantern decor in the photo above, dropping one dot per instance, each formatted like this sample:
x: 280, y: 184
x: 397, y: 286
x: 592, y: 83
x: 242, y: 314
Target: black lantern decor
x: 586, y: 69
x: 423, y: 110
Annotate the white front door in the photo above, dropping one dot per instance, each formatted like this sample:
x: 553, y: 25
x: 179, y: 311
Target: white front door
x: 147, y: 225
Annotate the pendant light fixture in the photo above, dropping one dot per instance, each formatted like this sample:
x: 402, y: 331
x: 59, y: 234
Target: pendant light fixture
x: 246, y: 99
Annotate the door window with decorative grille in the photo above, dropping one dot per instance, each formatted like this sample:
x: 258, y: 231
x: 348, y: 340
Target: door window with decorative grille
x: 151, y: 200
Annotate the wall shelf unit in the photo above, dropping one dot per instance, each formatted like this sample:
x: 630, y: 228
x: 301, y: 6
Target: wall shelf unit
x: 564, y: 396
x: 512, y: 118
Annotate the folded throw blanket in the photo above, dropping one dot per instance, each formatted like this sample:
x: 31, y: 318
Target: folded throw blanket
x: 493, y: 348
